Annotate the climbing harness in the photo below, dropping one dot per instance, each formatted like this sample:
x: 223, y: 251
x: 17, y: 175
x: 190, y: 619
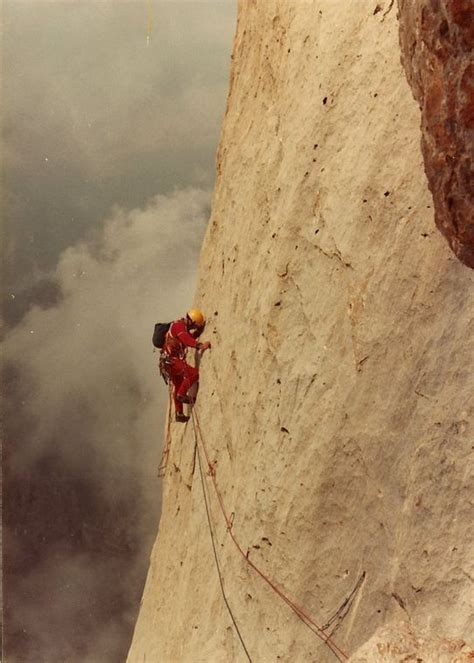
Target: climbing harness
x: 164, y: 365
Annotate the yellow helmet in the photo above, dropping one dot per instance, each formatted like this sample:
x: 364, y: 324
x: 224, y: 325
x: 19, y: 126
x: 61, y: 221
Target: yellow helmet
x: 196, y: 316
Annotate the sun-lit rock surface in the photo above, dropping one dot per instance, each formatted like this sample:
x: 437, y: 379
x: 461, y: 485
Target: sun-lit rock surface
x: 399, y: 642
x: 437, y: 42
x: 337, y: 401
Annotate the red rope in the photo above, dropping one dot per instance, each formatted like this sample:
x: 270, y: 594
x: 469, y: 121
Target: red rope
x: 337, y: 651
x: 166, y: 450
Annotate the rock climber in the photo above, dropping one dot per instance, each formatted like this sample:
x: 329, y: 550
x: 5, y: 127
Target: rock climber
x: 182, y: 334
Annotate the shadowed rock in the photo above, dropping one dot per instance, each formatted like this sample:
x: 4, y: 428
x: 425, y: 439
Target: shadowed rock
x: 437, y: 41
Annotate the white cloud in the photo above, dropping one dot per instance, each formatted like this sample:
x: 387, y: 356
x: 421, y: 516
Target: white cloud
x: 85, y: 422
x: 93, y: 350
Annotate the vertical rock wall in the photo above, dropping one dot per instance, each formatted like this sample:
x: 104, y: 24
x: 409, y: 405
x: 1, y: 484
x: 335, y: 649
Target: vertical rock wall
x: 336, y: 404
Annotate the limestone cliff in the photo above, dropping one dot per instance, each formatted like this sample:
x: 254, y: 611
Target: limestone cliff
x: 336, y: 404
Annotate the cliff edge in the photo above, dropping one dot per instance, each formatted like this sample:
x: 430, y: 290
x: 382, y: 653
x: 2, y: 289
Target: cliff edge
x: 336, y: 404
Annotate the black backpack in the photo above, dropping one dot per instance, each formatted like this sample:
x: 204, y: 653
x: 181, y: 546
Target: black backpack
x: 159, y: 333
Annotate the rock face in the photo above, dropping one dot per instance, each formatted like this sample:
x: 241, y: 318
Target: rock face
x: 437, y: 42
x: 399, y: 642
x: 336, y: 404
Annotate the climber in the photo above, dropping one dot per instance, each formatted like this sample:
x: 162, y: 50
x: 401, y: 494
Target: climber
x: 182, y: 334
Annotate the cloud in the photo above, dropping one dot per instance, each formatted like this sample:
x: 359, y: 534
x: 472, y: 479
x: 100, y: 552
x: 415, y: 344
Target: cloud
x: 82, y: 77
x: 93, y: 116
x: 85, y: 417
x: 94, y: 346
x: 73, y: 627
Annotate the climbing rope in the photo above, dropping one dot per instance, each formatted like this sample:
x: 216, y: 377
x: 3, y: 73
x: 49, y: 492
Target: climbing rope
x: 219, y: 572
x: 338, y: 617
x: 149, y: 23
x: 305, y: 618
x: 166, y: 449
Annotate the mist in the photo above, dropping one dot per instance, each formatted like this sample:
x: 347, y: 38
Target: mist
x: 95, y: 114
x: 110, y: 121
x: 84, y: 420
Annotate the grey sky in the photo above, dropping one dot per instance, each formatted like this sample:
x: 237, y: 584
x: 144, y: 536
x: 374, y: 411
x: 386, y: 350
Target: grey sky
x: 109, y: 151
x: 83, y: 377
x: 95, y: 117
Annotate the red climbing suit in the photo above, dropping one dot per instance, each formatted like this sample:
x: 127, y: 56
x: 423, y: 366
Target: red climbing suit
x: 173, y: 359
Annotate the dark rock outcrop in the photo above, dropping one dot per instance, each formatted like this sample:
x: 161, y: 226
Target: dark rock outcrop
x: 437, y: 44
